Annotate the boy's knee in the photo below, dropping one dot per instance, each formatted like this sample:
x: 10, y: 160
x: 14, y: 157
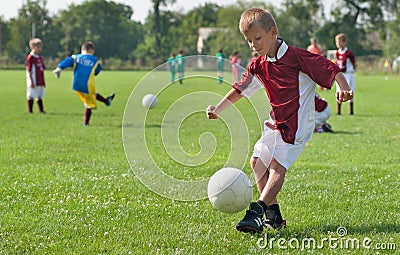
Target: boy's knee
x: 253, y: 162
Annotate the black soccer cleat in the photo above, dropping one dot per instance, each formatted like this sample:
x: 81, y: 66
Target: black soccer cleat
x: 109, y: 99
x: 253, y: 220
x: 274, y: 224
x: 327, y: 128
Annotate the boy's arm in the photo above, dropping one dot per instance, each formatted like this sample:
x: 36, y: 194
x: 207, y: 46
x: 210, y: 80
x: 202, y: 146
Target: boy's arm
x: 67, y: 62
x: 230, y: 98
x: 345, y: 92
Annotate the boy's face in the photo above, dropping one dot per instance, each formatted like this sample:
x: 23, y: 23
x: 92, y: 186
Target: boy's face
x: 261, y: 41
x: 340, y: 43
x: 37, y: 49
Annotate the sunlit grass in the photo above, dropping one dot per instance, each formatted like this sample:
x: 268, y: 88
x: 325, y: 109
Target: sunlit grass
x: 66, y: 189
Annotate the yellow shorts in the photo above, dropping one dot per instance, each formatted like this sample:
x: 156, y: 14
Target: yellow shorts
x: 88, y: 100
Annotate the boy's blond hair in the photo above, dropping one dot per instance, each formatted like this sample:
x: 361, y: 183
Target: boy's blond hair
x: 341, y: 37
x: 35, y: 42
x: 258, y: 16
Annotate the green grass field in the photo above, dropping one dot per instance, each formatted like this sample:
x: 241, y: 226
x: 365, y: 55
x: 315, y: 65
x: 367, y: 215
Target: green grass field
x: 68, y: 189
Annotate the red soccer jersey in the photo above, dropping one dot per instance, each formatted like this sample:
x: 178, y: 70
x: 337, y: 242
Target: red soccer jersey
x: 345, y: 60
x: 320, y: 103
x: 35, y: 65
x: 289, y: 79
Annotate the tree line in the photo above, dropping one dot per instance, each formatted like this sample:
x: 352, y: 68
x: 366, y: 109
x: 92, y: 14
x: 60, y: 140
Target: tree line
x: 118, y: 38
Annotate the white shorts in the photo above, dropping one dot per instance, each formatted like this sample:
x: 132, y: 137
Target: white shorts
x: 271, y: 145
x: 351, y: 81
x: 322, y: 117
x: 36, y: 92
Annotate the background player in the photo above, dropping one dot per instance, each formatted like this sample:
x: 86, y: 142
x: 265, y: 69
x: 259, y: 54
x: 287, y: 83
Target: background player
x: 35, y: 83
x: 180, y: 60
x: 322, y: 114
x: 85, y: 67
x: 220, y: 65
x: 172, y: 66
x: 346, y: 61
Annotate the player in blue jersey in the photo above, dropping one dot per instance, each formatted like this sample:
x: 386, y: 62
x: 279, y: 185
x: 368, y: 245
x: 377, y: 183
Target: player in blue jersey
x: 85, y: 66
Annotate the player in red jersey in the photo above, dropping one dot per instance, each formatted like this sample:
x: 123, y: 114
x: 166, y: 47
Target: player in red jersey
x: 315, y: 48
x: 289, y: 75
x: 35, y: 83
x: 236, y: 62
x: 322, y: 114
x: 346, y: 61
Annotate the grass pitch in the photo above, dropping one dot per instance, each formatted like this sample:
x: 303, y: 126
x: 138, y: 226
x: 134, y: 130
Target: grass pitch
x: 66, y: 189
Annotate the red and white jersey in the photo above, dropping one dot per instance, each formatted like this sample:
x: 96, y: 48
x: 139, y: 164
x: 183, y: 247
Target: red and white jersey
x: 289, y: 79
x: 320, y: 103
x: 35, y: 65
x: 345, y: 60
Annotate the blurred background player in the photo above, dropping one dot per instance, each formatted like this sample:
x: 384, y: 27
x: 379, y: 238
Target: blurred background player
x: 322, y: 114
x: 254, y: 56
x: 180, y: 60
x: 236, y: 62
x: 346, y: 61
x: 85, y: 67
x: 315, y: 48
x: 220, y: 65
x: 35, y: 75
x: 172, y: 66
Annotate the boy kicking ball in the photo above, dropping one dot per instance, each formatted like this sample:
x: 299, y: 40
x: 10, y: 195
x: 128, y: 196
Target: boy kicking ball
x: 85, y: 66
x: 289, y: 75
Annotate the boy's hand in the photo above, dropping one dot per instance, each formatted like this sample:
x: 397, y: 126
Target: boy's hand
x: 57, y: 72
x: 344, y: 95
x: 210, y: 112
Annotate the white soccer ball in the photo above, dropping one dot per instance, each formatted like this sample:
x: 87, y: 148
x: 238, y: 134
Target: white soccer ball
x: 149, y: 101
x: 229, y: 190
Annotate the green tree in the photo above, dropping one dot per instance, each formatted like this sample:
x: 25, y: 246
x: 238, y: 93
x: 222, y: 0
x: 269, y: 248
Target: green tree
x: 33, y: 21
x: 106, y: 23
x: 157, y: 30
x: 298, y: 21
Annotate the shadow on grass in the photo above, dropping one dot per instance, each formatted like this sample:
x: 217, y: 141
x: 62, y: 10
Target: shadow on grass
x: 374, y: 228
x: 345, y: 133
x: 340, y: 132
x: 153, y: 126
x: 64, y: 114
x: 324, y: 231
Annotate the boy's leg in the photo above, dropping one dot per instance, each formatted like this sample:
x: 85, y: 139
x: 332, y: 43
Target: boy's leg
x: 30, y: 105
x: 106, y: 101
x: 338, y: 108
x: 351, y: 108
x: 100, y: 98
x: 88, y: 113
x: 271, y: 189
x: 40, y: 104
x: 269, y: 182
x: 180, y: 77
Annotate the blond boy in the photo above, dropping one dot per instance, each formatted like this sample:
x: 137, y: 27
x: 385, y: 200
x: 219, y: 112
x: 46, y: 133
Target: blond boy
x: 346, y: 61
x: 289, y: 75
x: 35, y: 83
